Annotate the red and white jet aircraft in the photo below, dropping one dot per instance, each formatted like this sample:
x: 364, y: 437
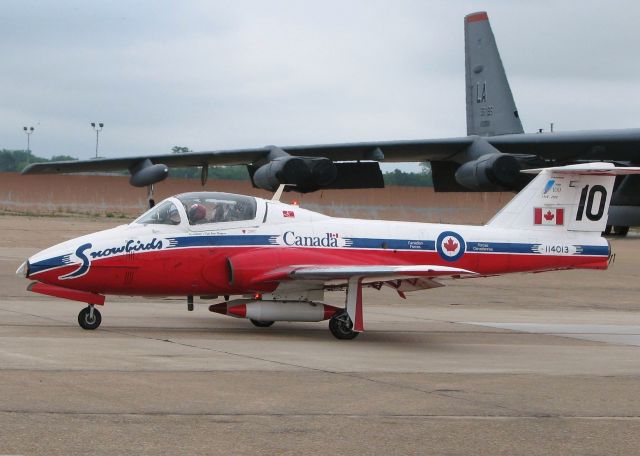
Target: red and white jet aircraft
x: 279, y: 259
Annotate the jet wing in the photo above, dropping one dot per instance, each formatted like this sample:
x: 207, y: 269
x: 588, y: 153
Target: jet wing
x: 392, y: 151
x: 378, y: 272
x: 402, y: 278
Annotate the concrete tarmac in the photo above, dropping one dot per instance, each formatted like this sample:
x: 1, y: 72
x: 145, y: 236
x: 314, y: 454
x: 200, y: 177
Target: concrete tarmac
x: 532, y: 364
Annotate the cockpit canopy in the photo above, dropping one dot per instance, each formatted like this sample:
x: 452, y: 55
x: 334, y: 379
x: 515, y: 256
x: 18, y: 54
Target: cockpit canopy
x: 165, y: 213
x: 202, y: 208
x: 217, y: 207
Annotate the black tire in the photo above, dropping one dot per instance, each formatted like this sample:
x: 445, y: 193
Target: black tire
x: 85, y: 322
x: 620, y: 230
x: 261, y: 324
x: 340, y: 326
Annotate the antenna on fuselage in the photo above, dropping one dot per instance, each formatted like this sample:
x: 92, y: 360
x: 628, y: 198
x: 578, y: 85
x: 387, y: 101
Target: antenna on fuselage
x: 278, y: 194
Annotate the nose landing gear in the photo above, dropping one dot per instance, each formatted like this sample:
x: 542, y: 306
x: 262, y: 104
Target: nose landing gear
x: 89, y: 317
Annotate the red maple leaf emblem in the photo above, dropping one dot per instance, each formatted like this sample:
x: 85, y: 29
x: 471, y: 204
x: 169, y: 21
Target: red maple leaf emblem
x: 450, y: 246
x: 548, y: 216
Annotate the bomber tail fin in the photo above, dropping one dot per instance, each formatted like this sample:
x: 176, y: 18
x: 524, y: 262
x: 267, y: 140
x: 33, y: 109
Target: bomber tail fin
x: 572, y: 197
x: 491, y: 109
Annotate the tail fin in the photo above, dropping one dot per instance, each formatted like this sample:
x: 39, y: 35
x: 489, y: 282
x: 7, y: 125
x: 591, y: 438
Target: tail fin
x: 490, y: 107
x: 573, y: 198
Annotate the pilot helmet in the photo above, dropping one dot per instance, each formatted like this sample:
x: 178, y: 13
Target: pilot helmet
x: 197, y: 212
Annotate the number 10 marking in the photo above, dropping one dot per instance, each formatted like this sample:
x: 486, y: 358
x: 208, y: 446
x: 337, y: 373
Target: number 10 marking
x: 589, y: 202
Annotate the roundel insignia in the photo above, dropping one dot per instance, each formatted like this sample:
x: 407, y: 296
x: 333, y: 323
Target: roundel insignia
x: 450, y: 246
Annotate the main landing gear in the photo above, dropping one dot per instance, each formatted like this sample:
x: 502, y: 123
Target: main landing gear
x: 89, y: 317
x: 261, y: 324
x: 341, y: 326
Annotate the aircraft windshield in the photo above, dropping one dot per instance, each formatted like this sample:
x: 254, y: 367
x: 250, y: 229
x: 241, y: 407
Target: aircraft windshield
x: 163, y: 214
x: 215, y: 207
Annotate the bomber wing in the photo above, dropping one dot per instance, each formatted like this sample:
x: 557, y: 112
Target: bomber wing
x: 561, y: 147
x: 574, y: 146
x: 394, y: 151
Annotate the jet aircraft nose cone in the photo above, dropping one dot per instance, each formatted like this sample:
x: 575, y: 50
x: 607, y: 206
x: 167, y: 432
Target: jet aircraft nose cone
x: 23, y: 270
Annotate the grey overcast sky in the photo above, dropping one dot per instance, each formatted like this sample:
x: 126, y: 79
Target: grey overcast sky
x: 245, y: 73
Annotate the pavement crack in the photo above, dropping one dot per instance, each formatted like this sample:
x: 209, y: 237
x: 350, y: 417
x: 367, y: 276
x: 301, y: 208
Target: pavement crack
x: 328, y: 415
x: 326, y: 371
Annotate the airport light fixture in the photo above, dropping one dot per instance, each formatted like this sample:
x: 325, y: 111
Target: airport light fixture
x: 98, y: 128
x: 29, y: 132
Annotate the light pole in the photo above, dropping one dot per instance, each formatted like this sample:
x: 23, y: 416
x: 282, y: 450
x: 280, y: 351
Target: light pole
x: 29, y: 132
x: 98, y: 129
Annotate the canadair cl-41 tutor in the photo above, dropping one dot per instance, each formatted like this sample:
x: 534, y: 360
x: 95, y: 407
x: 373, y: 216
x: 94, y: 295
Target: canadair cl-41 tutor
x: 276, y: 260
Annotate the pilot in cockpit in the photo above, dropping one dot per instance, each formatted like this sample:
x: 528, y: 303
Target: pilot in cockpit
x: 197, y: 214
x: 218, y: 213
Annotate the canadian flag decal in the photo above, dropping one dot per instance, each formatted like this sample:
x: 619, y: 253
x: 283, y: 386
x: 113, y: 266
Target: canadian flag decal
x: 288, y: 214
x: 548, y: 216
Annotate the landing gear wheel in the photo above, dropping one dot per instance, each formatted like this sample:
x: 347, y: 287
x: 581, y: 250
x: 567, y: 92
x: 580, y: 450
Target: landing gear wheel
x: 340, y: 326
x: 261, y: 324
x: 89, y: 318
x: 620, y: 230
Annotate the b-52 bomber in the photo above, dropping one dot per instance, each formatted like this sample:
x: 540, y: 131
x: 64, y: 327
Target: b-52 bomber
x: 489, y: 158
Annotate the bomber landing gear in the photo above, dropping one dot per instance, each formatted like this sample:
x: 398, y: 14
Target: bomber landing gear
x: 261, y: 324
x: 150, y: 199
x: 341, y: 326
x: 616, y: 230
x: 621, y: 230
x: 89, y: 317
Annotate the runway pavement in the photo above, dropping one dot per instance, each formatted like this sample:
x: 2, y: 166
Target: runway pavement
x: 533, y: 364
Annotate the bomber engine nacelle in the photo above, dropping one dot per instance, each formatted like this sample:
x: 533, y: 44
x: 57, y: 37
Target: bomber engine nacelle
x: 146, y: 173
x: 490, y: 172
x: 306, y: 173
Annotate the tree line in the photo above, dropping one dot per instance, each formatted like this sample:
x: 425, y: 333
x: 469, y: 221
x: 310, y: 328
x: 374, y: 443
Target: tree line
x: 17, y: 160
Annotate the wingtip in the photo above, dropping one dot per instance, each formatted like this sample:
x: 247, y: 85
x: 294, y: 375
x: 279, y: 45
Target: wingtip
x: 26, y: 169
x: 476, y: 17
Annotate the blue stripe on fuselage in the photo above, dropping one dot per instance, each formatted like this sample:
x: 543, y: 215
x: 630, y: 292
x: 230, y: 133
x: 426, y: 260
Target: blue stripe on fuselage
x: 501, y: 247
x: 375, y: 243
x: 592, y: 250
x: 49, y: 263
x: 351, y: 243
x: 392, y: 244
x: 216, y: 241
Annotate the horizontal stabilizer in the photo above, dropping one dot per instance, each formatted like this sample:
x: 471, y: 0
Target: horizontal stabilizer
x: 588, y: 169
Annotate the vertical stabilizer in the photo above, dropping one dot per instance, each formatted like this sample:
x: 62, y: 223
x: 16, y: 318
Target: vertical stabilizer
x: 491, y: 109
x: 564, y: 198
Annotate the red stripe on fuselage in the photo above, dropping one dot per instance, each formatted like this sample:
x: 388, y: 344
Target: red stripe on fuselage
x: 186, y: 271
